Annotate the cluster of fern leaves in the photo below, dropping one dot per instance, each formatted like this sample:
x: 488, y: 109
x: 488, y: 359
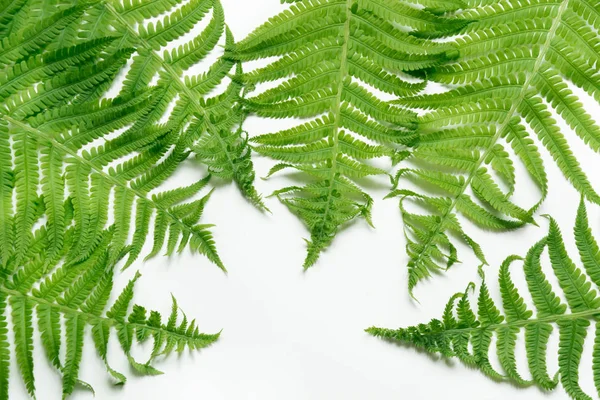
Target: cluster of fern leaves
x: 331, y: 52
x: 523, y: 72
x: 467, y: 335
x: 507, y: 73
x: 76, y: 166
x: 101, y: 102
x: 503, y: 68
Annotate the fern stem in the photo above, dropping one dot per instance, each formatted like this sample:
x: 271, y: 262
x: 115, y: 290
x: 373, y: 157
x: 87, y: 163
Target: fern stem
x: 587, y: 314
x: 499, y: 132
x: 89, y: 317
x: 111, y: 179
x: 338, y: 116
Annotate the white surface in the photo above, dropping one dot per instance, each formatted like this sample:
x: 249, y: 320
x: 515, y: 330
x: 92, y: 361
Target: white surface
x: 293, y: 335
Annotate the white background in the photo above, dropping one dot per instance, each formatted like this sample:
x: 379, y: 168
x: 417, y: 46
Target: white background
x: 293, y: 335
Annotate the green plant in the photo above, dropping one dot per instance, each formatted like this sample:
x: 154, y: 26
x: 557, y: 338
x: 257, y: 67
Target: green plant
x: 78, y: 294
x: 67, y: 159
x: 453, y: 337
x: 330, y: 52
x: 207, y: 124
x: 517, y: 60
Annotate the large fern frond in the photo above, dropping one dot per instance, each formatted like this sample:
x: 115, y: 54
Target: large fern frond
x: 54, y: 131
x: 60, y: 171
x: 331, y: 54
x: 206, y: 121
x: 469, y: 336
x: 518, y: 62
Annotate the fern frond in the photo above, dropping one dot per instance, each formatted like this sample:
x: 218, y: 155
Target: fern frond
x: 454, y: 337
x: 78, y: 295
x: 517, y: 61
x: 329, y: 52
x: 60, y: 175
x: 199, y: 117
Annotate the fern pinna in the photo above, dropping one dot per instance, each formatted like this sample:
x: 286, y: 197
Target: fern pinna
x: 453, y: 337
x: 518, y: 63
x: 329, y: 52
x: 208, y: 124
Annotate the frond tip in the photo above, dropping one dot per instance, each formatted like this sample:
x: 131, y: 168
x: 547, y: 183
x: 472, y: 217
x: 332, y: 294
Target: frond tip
x: 467, y: 335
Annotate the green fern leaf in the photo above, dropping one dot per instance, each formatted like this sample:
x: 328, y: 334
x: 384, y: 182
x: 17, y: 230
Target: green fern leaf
x: 452, y: 339
x: 516, y: 62
x: 60, y: 175
x: 328, y: 53
x: 204, y: 122
x: 79, y: 293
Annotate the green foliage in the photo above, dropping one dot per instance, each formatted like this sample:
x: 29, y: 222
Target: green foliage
x: 463, y: 334
x: 58, y: 128
x: 80, y: 178
x: 65, y: 299
x: 208, y: 124
x: 328, y: 53
x: 517, y: 64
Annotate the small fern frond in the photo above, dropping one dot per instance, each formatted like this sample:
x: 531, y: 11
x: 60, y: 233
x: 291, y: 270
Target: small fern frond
x: 517, y: 60
x: 329, y: 54
x: 468, y: 336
